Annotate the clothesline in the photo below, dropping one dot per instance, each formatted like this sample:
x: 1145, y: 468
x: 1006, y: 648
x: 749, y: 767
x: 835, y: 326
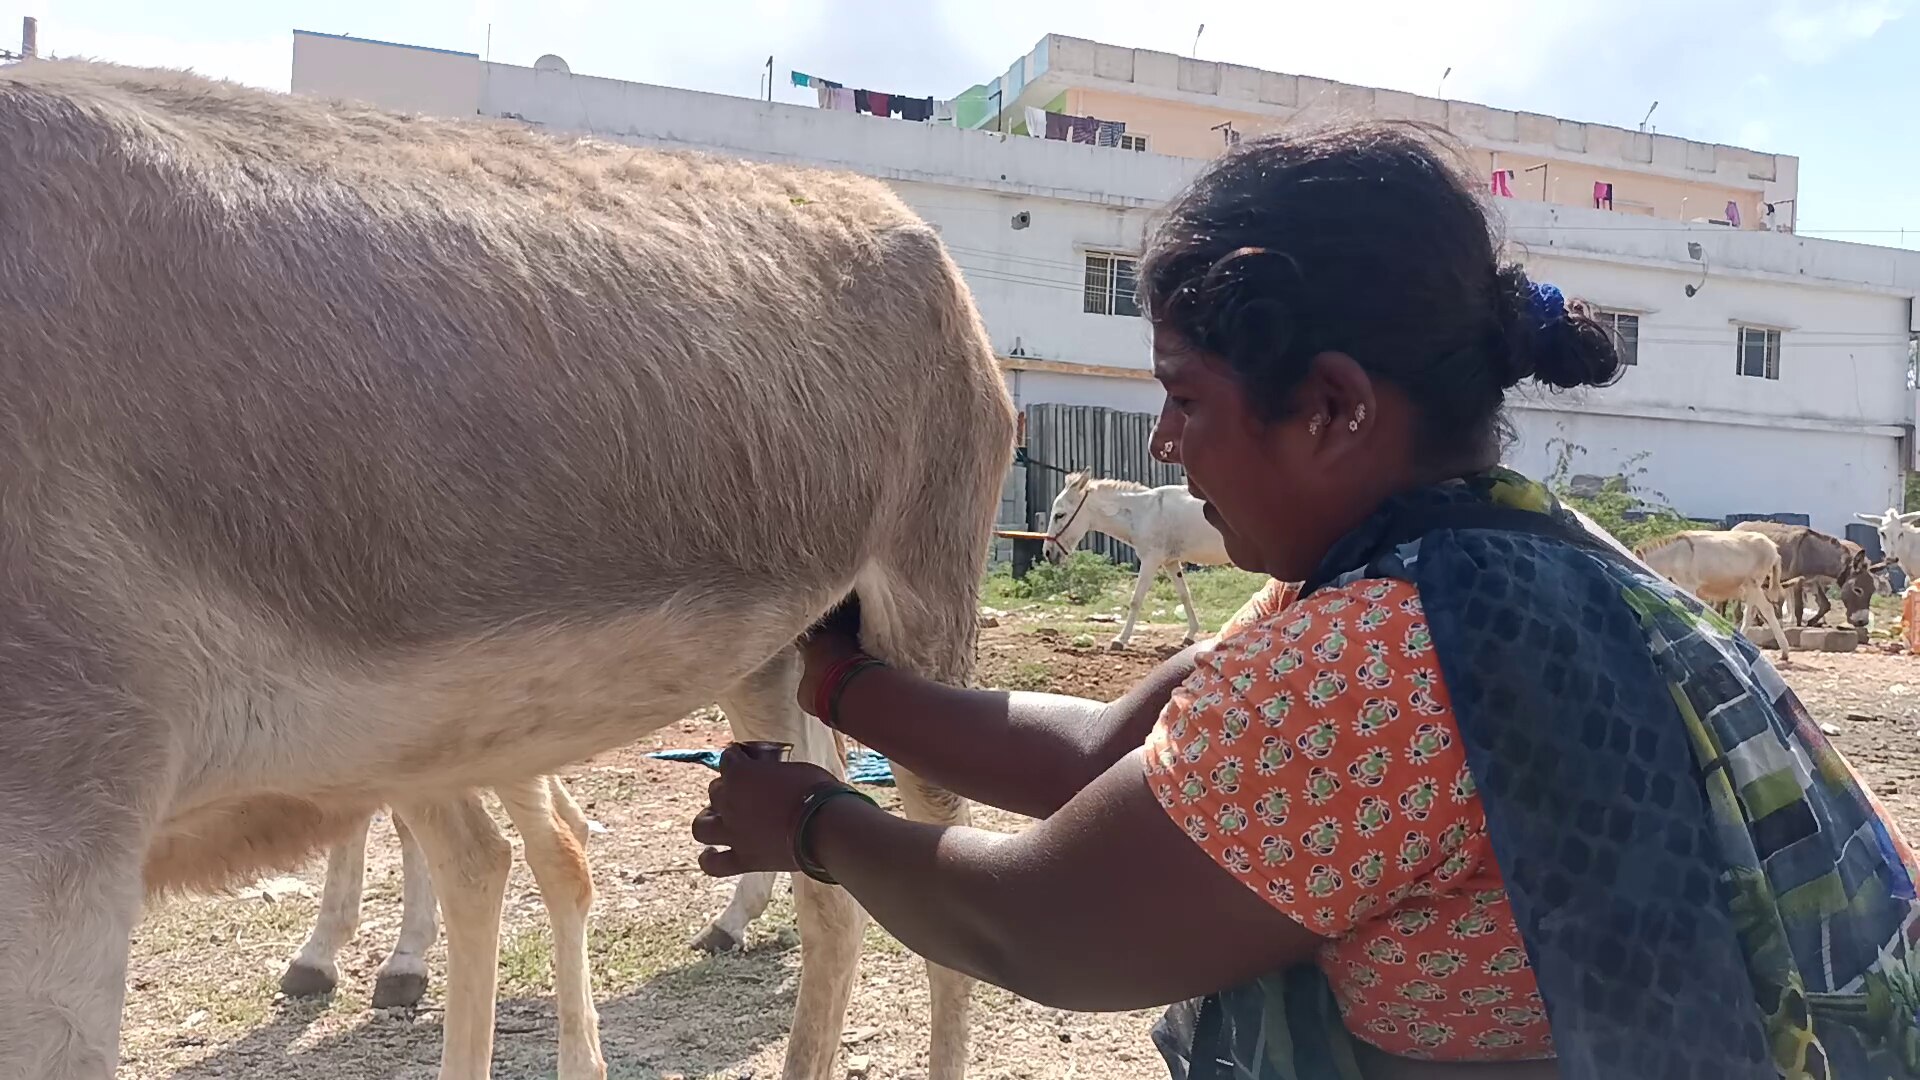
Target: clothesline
x: 840, y: 98
x: 1501, y: 185
x: 1090, y: 130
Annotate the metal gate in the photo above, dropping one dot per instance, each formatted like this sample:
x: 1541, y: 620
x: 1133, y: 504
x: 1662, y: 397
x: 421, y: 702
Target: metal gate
x: 1110, y: 444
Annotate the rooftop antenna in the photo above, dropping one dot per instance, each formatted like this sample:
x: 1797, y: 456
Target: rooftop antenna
x: 1196, y: 40
x: 1649, y: 116
x: 1440, y: 90
x: 489, y: 56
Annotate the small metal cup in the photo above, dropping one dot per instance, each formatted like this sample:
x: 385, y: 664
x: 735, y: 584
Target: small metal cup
x: 761, y: 750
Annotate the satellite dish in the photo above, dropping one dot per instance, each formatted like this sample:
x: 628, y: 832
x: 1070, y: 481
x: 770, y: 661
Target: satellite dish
x: 551, y: 62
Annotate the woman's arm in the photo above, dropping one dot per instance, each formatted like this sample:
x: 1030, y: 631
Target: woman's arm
x: 1028, y: 753
x: 1106, y: 905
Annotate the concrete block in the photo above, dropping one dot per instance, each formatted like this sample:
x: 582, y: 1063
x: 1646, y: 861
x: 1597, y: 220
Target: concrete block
x: 1810, y: 638
x: 1827, y: 639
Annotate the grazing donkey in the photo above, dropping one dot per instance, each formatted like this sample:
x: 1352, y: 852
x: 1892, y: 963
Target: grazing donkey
x: 350, y: 459
x: 1718, y: 567
x: 1164, y: 525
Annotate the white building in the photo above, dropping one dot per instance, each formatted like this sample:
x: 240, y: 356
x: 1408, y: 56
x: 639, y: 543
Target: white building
x: 1779, y: 386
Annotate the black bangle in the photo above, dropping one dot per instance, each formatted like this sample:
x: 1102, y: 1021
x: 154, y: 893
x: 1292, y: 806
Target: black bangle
x: 832, y: 719
x: 809, y: 809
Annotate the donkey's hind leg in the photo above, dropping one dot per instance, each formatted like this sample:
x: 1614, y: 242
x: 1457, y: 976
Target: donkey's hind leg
x: 921, y: 611
x: 402, y: 978
x: 555, y: 854
x: 314, y: 970
x: 762, y: 706
x: 1186, y: 601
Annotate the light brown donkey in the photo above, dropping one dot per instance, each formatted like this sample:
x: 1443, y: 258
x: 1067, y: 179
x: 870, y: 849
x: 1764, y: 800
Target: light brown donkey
x: 349, y: 459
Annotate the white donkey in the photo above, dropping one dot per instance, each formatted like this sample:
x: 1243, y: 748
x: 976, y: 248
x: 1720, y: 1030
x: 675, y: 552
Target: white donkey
x: 1899, y: 538
x: 1164, y: 525
x: 353, y: 460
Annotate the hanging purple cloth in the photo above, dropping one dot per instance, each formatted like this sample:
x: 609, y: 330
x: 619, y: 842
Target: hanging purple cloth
x: 1057, y: 126
x: 1083, y: 129
x: 1109, y: 132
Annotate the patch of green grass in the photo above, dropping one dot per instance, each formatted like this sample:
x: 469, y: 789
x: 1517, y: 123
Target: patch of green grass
x: 626, y: 952
x: 1083, y: 579
x: 526, y: 962
x: 251, y: 935
x: 1030, y: 675
x: 1088, y: 584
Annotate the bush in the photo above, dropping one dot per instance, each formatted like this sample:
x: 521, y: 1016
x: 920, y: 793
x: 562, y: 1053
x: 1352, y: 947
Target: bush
x: 1631, y: 513
x: 1082, y: 579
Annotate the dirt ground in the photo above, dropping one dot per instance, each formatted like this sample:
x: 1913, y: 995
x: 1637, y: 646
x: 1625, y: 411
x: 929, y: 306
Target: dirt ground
x: 202, y: 1000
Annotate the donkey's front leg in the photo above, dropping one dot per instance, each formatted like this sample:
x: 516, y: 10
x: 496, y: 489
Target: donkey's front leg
x: 1148, y: 569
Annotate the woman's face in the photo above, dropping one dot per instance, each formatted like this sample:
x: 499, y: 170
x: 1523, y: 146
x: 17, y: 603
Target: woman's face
x: 1234, y: 460
x: 1281, y: 491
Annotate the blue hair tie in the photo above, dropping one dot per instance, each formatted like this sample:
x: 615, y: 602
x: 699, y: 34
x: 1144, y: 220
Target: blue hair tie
x: 1547, y: 304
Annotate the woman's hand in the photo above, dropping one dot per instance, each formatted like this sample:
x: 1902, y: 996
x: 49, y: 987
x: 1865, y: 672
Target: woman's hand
x: 752, y: 810
x: 835, y: 639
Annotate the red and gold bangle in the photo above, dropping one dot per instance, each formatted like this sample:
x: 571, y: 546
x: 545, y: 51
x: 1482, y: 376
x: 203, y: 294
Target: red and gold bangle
x: 826, y: 697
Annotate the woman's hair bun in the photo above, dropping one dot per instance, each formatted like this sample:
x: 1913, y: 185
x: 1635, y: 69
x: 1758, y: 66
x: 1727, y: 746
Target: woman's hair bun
x: 1548, y: 338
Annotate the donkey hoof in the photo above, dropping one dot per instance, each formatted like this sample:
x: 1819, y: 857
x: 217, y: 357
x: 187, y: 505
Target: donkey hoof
x: 399, y: 990
x: 713, y: 941
x: 1117, y: 645
x: 304, y: 981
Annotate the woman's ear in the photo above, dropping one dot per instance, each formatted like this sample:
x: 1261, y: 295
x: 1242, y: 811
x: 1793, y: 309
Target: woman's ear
x: 1337, y: 397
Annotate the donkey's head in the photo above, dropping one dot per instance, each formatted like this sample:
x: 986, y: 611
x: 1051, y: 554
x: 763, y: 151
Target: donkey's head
x: 1067, y: 523
x: 1899, y: 537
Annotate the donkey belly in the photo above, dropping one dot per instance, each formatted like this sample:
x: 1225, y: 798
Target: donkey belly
x: 271, y: 715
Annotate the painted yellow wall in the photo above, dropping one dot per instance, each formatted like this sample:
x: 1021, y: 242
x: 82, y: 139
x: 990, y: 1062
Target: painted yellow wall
x: 1185, y: 130
x: 1171, y: 127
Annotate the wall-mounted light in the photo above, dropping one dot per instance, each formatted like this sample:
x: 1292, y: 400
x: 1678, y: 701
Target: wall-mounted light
x: 1699, y: 255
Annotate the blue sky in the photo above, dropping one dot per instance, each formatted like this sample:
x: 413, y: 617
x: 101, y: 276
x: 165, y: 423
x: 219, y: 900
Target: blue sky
x: 1831, y: 81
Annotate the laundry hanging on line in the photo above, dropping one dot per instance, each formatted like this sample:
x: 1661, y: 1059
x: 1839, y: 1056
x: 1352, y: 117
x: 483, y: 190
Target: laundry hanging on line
x: 1036, y: 122
x: 1087, y: 130
x: 1602, y: 195
x: 1503, y: 183
x: 838, y: 98
x: 1733, y: 213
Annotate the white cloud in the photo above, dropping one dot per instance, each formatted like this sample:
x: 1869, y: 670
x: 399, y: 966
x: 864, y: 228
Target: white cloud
x: 1811, y: 31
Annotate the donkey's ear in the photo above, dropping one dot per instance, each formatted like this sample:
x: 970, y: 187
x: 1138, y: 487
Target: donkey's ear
x: 1874, y: 520
x: 1078, y: 480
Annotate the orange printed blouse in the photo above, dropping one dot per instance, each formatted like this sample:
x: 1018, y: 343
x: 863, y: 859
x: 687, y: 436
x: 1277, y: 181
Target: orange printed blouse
x: 1314, y: 755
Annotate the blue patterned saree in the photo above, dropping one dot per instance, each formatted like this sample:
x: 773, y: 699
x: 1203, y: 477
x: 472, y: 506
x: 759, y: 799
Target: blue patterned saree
x: 1704, y: 887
